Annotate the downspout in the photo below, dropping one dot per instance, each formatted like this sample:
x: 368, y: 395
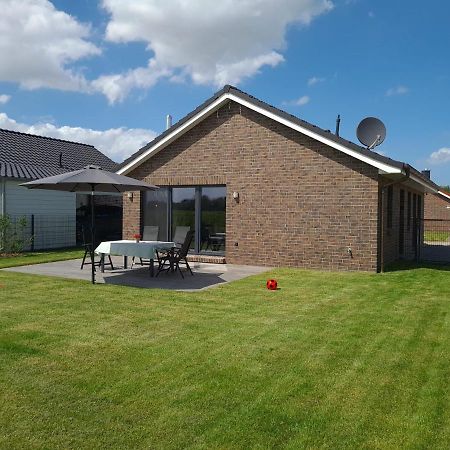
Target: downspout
x: 2, y: 206
x: 407, y: 170
x: 3, y: 197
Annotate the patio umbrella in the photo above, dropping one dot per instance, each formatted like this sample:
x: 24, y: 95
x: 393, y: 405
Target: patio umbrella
x: 90, y: 179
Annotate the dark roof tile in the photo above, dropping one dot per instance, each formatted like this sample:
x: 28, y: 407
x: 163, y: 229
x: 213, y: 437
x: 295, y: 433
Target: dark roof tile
x: 28, y: 156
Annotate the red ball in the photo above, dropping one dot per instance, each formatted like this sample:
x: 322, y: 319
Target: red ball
x: 272, y: 285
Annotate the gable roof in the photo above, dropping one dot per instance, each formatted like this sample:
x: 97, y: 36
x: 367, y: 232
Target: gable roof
x: 444, y: 195
x: 28, y: 156
x: 229, y: 93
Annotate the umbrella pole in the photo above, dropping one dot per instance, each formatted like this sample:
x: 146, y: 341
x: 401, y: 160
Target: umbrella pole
x: 92, y: 237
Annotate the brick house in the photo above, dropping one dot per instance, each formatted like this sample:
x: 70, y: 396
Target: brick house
x: 437, y: 206
x: 260, y: 186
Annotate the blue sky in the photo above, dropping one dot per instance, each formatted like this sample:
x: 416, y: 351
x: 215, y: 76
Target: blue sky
x: 107, y: 72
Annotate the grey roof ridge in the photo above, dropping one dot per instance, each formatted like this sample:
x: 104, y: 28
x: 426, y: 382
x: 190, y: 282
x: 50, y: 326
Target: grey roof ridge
x: 243, y: 95
x: 47, y: 137
x: 314, y: 128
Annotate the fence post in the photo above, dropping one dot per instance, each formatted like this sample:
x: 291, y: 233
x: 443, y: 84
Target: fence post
x: 32, y: 232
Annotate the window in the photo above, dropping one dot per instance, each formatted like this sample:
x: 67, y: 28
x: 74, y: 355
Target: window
x: 414, y: 215
x: 401, y: 223
x: 212, y: 220
x: 155, y: 208
x: 200, y: 208
x: 408, y: 213
x: 419, y: 207
x: 390, y: 201
x: 183, y: 210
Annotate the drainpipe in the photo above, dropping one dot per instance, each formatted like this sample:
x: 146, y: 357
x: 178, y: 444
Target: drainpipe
x: 3, y: 197
x: 383, y: 194
x: 2, y: 205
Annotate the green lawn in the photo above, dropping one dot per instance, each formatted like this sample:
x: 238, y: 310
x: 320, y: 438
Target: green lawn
x: 436, y: 236
x: 331, y: 360
x: 39, y: 257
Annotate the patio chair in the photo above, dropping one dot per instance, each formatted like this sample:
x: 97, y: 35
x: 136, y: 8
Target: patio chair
x: 150, y: 233
x: 180, y: 235
x: 176, y: 256
x: 86, y: 231
x: 178, y: 238
x: 214, y: 241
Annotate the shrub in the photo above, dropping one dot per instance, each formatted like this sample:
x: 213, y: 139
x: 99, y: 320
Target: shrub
x: 12, y: 234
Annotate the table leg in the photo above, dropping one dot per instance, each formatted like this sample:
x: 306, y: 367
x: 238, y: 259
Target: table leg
x: 125, y: 262
x: 152, y: 269
x: 102, y: 262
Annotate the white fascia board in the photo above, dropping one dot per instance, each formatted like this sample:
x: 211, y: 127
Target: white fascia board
x: 383, y: 168
x: 423, y: 183
x: 174, y: 135
x: 444, y: 194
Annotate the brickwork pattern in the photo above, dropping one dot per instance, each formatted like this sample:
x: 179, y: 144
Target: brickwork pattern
x: 301, y: 203
x: 391, y: 240
x: 437, y: 207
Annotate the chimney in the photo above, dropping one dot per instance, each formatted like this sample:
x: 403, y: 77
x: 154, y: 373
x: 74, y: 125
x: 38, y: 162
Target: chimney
x: 168, y: 121
x: 338, y: 124
x: 426, y: 173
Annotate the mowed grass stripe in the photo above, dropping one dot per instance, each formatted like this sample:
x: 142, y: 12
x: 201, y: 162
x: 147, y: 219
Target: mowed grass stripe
x: 331, y: 360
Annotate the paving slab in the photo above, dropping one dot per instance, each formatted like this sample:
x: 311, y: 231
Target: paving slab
x: 205, y: 275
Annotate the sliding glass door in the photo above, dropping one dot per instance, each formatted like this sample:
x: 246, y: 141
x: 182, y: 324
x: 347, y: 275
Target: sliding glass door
x: 155, y: 212
x: 183, y: 210
x: 199, y: 208
x: 212, y: 219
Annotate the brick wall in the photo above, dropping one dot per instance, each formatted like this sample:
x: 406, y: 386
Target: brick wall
x: 391, y: 240
x: 437, y: 217
x: 437, y: 207
x: 301, y: 203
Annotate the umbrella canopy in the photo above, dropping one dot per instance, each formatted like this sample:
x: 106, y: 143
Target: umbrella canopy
x: 92, y: 179
x: 89, y: 179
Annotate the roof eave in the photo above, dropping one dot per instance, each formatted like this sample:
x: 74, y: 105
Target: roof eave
x: 227, y: 96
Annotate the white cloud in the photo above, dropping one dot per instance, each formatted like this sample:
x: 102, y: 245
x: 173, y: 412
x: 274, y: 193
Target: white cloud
x: 4, y: 99
x: 208, y: 42
x: 441, y: 156
x: 398, y: 90
x: 117, y: 87
x: 38, y: 43
x: 315, y: 80
x: 117, y: 143
x: 301, y: 101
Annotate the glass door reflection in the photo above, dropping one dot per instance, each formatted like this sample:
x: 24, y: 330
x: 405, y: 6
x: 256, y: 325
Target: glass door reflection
x: 212, y: 219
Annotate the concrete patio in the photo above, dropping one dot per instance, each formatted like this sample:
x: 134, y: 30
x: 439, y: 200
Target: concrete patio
x: 205, y: 275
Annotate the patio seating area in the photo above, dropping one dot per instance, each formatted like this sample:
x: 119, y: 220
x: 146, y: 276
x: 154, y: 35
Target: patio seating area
x: 205, y: 275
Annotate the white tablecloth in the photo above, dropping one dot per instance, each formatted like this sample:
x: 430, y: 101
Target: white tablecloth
x: 142, y: 249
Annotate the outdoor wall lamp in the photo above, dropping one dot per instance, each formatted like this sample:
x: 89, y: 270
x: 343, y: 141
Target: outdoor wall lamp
x: 236, y: 195
x: 130, y: 196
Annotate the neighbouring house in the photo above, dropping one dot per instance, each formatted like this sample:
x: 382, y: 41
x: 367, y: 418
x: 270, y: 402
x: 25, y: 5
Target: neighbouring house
x: 436, y: 226
x: 260, y: 186
x: 437, y: 208
x: 53, y: 218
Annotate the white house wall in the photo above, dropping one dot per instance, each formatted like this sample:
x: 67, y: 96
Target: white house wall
x: 54, y: 214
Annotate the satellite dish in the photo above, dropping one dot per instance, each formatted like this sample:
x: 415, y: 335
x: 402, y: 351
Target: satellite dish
x: 371, y: 132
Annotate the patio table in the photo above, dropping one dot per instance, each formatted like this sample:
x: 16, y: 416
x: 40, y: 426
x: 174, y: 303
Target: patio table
x: 125, y: 248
